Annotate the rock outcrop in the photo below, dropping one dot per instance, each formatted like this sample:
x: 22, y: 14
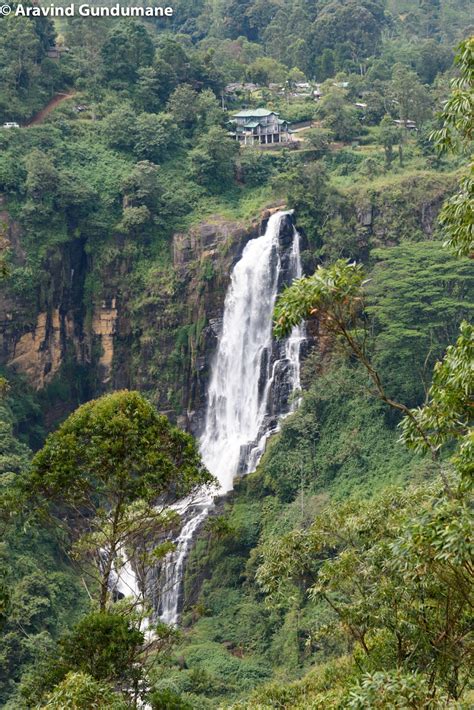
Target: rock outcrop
x: 159, y: 340
x: 37, y: 354
x: 104, y: 322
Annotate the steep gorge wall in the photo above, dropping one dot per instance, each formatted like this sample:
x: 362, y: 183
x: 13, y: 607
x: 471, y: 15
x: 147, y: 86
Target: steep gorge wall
x: 158, y: 337
x: 177, y: 319
x: 404, y: 208
x: 41, y: 324
x: 96, y: 323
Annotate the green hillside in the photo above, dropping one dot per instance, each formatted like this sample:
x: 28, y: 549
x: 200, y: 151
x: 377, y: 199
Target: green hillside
x: 339, y: 573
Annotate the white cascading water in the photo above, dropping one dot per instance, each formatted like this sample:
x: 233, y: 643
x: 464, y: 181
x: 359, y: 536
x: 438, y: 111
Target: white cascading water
x: 238, y: 418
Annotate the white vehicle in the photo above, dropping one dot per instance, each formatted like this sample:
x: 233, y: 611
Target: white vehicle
x: 11, y: 124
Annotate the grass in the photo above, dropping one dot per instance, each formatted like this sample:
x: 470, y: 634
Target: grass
x: 394, y: 178
x: 239, y: 204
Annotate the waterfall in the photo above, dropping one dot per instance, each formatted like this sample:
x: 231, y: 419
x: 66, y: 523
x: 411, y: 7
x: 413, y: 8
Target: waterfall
x: 252, y: 380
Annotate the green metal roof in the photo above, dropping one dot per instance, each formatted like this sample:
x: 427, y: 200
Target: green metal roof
x: 254, y: 113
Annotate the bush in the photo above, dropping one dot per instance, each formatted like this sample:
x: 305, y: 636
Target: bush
x: 337, y: 438
x: 256, y: 167
x: 395, y: 690
x: 79, y: 691
x: 168, y: 699
x: 104, y: 645
x: 213, y: 160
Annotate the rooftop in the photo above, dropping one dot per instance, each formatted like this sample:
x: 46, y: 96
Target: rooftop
x: 253, y: 124
x: 254, y: 113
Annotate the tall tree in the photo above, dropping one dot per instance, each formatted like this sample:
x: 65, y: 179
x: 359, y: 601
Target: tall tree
x: 213, y: 160
x: 457, y: 216
x: 103, y: 472
x: 20, y: 55
x: 389, y: 136
x: 357, y: 23
x: 410, y: 98
x: 127, y: 49
x: 155, y: 84
x: 338, y: 115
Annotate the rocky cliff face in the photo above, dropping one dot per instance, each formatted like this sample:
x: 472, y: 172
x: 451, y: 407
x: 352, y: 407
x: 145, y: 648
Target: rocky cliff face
x: 96, y: 324
x: 405, y: 210
x: 159, y: 339
x: 42, y: 324
x: 179, y: 335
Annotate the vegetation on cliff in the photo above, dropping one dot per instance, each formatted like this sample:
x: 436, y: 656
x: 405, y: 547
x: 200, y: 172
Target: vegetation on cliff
x: 373, y: 596
x: 339, y: 574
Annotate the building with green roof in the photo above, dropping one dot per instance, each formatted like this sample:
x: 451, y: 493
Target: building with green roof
x: 259, y: 126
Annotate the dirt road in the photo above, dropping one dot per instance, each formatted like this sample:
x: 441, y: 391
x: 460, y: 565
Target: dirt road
x: 55, y: 101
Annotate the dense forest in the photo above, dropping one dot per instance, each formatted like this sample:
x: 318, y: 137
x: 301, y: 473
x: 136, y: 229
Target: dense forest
x: 339, y: 573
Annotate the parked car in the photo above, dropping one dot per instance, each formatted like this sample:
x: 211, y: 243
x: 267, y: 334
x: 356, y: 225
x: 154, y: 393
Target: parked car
x: 11, y: 124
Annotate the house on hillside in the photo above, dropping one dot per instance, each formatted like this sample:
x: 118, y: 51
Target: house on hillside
x: 259, y: 126
x: 409, y: 125
x: 236, y: 90
x: 56, y: 51
x: 317, y: 93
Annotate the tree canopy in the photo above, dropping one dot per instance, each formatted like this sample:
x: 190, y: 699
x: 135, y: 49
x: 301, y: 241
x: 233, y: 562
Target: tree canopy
x: 111, y: 468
